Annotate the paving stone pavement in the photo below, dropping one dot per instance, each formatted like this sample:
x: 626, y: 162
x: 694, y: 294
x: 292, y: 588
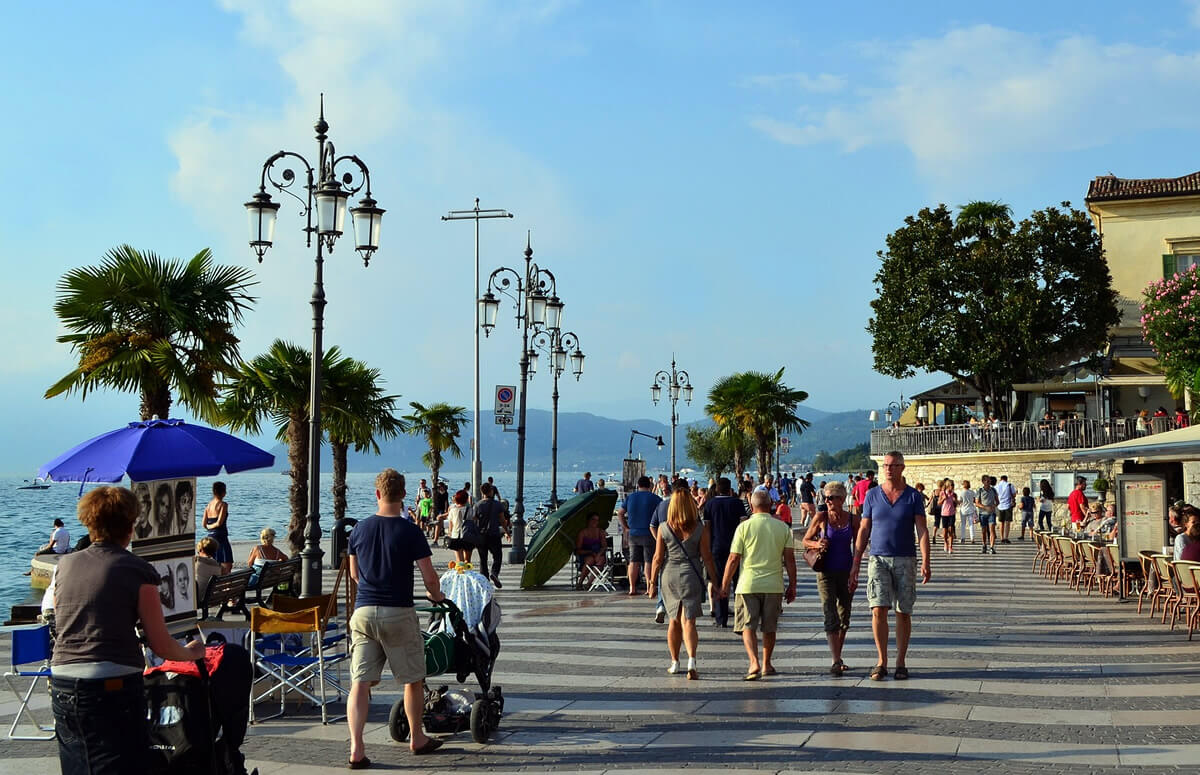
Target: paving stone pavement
x: 1010, y: 673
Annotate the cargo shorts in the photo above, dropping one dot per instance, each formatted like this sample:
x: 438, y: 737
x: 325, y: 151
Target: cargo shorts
x: 386, y: 634
x: 892, y: 582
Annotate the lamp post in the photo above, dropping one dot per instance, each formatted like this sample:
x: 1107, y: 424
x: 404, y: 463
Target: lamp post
x: 475, y: 215
x: 324, y: 200
x: 899, y: 407
x: 658, y: 440
x: 538, y: 307
x: 677, y: 382
x: 559, y: 346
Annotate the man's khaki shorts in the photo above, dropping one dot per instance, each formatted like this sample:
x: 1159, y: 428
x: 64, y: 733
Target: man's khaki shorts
x: 379, y: 633
x: 757, y: 611
x: 892, y: 581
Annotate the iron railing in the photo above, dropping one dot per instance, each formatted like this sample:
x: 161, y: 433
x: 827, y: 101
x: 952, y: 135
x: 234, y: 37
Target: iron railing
x: 1012, y: 436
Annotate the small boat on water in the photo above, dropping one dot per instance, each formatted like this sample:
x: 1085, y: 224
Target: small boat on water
x: 37, y: 484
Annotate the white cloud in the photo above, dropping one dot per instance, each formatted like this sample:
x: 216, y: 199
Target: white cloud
x: 823, y: 83
x: 981, y: 93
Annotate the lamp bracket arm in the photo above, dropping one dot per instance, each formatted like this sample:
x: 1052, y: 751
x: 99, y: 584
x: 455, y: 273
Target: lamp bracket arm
x: 287, y: 178
x: 348, y: 178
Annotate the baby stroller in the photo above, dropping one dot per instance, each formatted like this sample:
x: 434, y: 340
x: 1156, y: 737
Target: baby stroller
x: 460, y: 639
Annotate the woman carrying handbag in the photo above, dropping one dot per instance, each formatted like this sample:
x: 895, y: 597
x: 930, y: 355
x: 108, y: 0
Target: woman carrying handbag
x: 832, y: 533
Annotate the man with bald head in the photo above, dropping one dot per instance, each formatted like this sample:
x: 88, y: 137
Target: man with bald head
x: 762, y: 546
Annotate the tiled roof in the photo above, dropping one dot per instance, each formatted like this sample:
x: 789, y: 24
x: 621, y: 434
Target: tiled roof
x: 1109, y: 187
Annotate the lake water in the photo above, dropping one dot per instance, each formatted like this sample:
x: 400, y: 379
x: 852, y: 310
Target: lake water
x: 256, y: 500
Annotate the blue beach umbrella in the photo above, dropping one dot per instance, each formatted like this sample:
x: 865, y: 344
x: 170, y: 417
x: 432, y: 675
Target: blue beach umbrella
x: 155, y: 449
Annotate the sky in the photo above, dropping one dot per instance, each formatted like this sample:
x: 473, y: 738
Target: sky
x: 705, y: 180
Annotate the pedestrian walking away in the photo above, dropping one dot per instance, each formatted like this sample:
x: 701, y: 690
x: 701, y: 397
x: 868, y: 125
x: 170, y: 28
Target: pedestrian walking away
x: 634, y: 516
x: 891, y: 514
x: 1006, y: 495
x: 762, y: 549
x: 722, y: 513
x: 968, y: 511
x: 683, y: 545
x: 491, y: 517
x: 384, y: 549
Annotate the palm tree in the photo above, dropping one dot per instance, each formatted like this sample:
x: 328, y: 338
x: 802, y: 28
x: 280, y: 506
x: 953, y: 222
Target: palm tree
x: 440, y: 424
x: 141, y: 323
x: 274, y: 387
x: 356, y: 413
x: 757, y: 405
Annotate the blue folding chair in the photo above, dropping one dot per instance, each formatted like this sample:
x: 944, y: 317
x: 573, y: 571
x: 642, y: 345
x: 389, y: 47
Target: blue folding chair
x: 29, y: 647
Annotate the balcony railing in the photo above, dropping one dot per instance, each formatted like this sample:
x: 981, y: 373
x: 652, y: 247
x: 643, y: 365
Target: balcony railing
x: 1011, y: 436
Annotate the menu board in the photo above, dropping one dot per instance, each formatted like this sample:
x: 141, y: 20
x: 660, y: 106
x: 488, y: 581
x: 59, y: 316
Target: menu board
x: 1141, y: 514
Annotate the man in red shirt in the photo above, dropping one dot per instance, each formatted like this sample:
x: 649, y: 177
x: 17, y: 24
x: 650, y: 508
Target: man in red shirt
x: 1077, y: 502
x: 860, y: 490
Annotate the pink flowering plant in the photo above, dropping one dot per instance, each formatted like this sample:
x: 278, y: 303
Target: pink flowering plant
x: 1170, y: 313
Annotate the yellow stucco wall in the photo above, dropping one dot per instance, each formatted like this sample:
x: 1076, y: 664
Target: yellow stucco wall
x: 1136, y: 235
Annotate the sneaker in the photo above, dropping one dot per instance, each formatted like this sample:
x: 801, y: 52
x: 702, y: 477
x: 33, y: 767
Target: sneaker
x: 674, y: 668
x: 992, y: 549
x: 660, y: 615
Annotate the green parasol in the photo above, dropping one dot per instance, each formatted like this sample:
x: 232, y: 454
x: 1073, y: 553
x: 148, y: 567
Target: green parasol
x: 554, y: 544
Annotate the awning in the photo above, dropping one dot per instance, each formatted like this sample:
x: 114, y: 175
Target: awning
x: 1171, y: 446
x: 950, y: 393
x: 1117, y: 380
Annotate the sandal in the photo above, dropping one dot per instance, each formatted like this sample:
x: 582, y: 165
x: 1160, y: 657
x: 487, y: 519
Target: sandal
x: 361, y: 764
x: 837, y: 668
x: 878, y: 673
x: 901, y: 673
x: 751, y: 676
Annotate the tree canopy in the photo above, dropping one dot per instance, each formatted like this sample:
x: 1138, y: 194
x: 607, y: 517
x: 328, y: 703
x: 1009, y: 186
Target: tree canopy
x: 1170, y: 317
x: 441, y: 424
x: 756, y: 405
x: 987, y: 301
x: 141, y: 323
x: 716, y: 452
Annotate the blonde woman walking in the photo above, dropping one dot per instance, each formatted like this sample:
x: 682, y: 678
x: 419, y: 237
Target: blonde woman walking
x: 683, y: 545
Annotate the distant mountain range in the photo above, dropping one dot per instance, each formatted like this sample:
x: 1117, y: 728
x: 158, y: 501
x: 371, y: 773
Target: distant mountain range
x: 593, y: 443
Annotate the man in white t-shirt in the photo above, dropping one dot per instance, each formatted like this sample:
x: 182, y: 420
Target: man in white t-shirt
x: 967, y: 512
x: 60, y: 540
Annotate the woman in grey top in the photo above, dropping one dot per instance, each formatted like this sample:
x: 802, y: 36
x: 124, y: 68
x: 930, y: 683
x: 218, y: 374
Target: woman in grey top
x: 683, y: 544
x: 100, y: 595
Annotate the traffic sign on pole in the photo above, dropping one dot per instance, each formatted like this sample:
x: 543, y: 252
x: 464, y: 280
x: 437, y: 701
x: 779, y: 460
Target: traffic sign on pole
x: 506, y: 396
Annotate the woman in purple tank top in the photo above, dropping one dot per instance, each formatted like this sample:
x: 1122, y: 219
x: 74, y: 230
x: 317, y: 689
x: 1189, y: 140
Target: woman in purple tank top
x: 833, y: 531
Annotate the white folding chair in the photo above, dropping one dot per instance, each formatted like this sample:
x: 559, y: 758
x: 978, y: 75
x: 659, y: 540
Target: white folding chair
x: 30, y: 646
x: 601, y: 578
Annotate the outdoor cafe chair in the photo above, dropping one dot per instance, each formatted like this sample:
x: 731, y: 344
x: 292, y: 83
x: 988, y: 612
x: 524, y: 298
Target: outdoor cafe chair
x: 1057, y: 558
x: 1150, y: 583
x: 30, y: 646
x: 1189, y: 598
x: 1168, y: 587
x: 1082, y: 563
x: 1064, y: 549
x: 1042, y: 555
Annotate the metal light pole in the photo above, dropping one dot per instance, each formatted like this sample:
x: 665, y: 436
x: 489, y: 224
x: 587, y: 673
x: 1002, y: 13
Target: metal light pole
x: 325, y: 197
x: 558, y: 345
x: 676, y: 381
x: 476, y: 215
x: 538, y: 306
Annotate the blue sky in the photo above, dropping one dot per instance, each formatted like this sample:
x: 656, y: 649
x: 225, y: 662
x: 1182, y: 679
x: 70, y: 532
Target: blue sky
x: 703, y: 178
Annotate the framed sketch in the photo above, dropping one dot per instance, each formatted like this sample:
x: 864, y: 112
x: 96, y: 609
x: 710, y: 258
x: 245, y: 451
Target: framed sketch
x: 176, y: 588
x: 166, y: 514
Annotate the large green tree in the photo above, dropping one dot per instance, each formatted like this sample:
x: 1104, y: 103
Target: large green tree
x: 988, y: 301
x: 356, y: 413
x: 757, y: 405
x: 441, y: 424
x: 1171, y: 324
x: 274, y: 387
x: 716, y: 451
x: 157, y: 327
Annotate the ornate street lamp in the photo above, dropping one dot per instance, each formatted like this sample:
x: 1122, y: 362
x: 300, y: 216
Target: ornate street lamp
x: 324, y: 209
x: 538, y: 309
x: 556, y: 343
x: 678, y: 384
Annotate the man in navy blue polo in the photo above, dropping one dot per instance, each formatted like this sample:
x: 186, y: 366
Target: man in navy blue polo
x: 634, y: 515
x: 892, y: 514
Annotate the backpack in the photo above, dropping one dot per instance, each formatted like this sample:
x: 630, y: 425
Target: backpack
x: 469, y: 531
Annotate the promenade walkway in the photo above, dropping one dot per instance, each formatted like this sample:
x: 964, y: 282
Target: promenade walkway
x: 1010, y: 674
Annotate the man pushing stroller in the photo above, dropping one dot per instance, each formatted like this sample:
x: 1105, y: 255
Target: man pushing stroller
x: 383, y: 550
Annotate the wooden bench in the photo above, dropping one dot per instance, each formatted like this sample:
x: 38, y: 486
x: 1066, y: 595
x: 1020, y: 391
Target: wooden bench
x: 271, y: 574
x: 226, y: 593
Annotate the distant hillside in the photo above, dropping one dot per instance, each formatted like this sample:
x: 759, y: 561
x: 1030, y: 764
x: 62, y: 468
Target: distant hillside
x: 590, y: 442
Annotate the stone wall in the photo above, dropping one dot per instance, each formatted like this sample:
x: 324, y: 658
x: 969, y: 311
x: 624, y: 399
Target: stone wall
x: 1191, y: 482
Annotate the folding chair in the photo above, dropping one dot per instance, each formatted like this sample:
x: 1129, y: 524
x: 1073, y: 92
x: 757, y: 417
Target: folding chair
x: 291, y: 664
x: 29, y: 647
x: 601, y: 578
